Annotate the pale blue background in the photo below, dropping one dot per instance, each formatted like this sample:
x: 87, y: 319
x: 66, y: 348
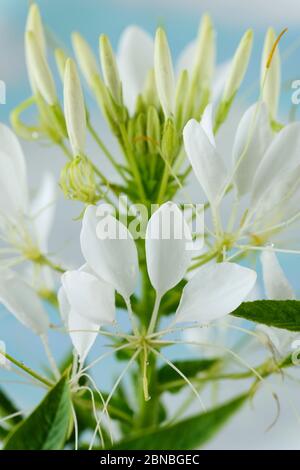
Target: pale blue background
x: 92, y: 17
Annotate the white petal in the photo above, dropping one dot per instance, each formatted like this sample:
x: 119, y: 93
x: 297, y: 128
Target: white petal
x: 43, y: 210
x: 64, y: 305
x: 90, y: 297
x: 214, y: 292
x: 82, y: 331
x: 208, y: 166
x: 168, y: 243
x: 85, y: 336
x: 23, y: 302
x: 110, y: 251
x: 135, y: 59
x: 186, y: 58
x: 252, y: 139
x: 277, y: 286
x: 207, y: 124
x: 282, y: 155
x: 13, y: 178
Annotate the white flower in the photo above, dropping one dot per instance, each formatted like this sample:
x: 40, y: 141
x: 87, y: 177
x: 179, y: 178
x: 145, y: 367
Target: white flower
x: 24, y: 225
x: 110, y: 252
x: 277, y: 287
x: 261, y: 162
x: 22, y: 301
x: 86, y: 303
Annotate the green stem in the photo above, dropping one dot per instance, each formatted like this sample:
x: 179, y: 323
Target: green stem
x: 26, y: 369
x: 104, y: 148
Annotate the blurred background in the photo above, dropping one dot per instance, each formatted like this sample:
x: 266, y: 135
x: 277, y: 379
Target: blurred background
x: 180, y: 18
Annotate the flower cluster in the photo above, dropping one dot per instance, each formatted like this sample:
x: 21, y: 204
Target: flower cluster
x: 146, y: 295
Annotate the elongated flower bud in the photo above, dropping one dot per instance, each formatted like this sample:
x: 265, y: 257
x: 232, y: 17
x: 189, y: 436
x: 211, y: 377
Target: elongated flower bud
x: 153, y: 130
x: 150, y: 91
x: 60, y: 59
x: 86, y: 59
x: 74, y: 108
x: 180, y: 101
x: 35, y: 25
x: 239, y: 66
x: 236, y: 75
x: 39, y: 69
x: 270, y: 77
x: 205, y: 53
x: 110, y: 69
x: 164, y: 73
x: 169, y: 143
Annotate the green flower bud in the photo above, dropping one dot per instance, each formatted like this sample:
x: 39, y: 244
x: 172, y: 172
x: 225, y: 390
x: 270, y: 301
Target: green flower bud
x: 39, y: 69
x: 60, y: 59
x: 164, y: 73
x: 140, y: 137
x: 170, y: 141
x: 236, y: 75
x: 74, y: 108
x: 150, y: 91
x: 35, y: 25
x: 180, y: 101
x: 271, y: 76
x: 110, y: 70
x: 239, y: 66
x: 153, y: 130
x: 86, y: 59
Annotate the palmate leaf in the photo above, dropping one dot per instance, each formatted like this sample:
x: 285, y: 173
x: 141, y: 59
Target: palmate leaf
x: 189, y: 434
x: 283, y: 314
x: 168, y: 377
x: 47, y: 426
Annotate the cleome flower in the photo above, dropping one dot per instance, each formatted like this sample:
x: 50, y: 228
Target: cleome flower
x: 261, y: 161
x: 87, y: 296
x: 24, y: 224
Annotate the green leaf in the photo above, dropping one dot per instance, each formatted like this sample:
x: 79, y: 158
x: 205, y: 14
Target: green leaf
x: 169, y: 379
x: 185, y: 435
x: 7, y: 408
x: 283, y: 314
x: 47, y: 426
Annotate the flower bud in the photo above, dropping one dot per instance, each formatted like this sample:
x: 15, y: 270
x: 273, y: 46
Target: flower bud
x: 153, y: 130
x: 150, y: 91
x: 270, y: 77
x: 35, y: 25
x: 169, y: 144
x: 86, y: 59
x: 74, y: 108
x: 164, y: 73
x: 180, y: 101
x: 205, y: 53
x: 110, y: 70
x: 39, y: 69
x: 140, y: 141
x: 236, y: 75
x: 60, y: 59
x: 77, y: 181
x: 239, y: 66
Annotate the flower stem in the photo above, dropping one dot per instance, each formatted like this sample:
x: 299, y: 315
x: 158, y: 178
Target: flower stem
x: 26, y: 369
